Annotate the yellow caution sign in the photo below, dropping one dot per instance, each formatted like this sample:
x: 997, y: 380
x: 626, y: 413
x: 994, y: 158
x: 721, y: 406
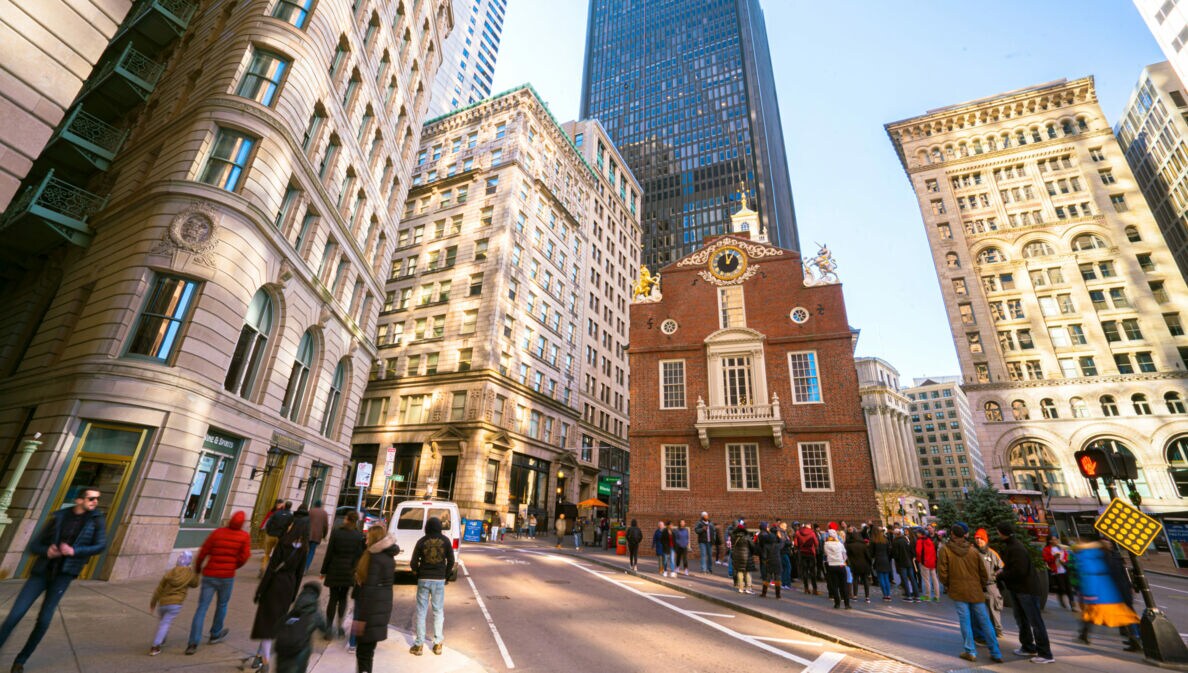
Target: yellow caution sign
x: 1127, y: 526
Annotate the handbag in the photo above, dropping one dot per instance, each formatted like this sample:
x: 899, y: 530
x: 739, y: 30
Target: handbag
x: 849, y: 576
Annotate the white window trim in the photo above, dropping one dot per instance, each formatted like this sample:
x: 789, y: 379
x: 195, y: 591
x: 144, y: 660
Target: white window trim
x: 828, y: 462
x: 758, y: 468
x: 664, y: 467
x: 684, y: 384
x: 792, y: 378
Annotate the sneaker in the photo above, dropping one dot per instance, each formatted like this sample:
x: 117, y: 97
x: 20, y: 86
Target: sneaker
x: 887, y: 599
x: 219, y: 636
x: 191, y: 648
x: 968, y: 657
x: 1024, y: 653
x: 417, y: 650
x: 437, y: 648
x: 351, y: 649
x: 997, y: 660
x: 1042, y: 660
x: 868, y: 600
x: 154, y: 650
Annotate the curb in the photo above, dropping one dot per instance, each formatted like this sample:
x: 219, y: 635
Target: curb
x: 758, y: 614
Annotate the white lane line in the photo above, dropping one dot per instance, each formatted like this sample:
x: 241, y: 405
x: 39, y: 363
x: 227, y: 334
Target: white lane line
x: 665, y: 596
x: 1179, y: 591
x: 788, y: 641
x: 825, y: 662
x: 713, y: 625
x: 507, y: 660
x: 711, y: 614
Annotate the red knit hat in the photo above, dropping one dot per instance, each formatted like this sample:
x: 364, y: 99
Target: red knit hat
x: 980, y: 534
x: 832, y: 525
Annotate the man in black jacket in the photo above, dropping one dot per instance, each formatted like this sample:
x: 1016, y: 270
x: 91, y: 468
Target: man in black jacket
x: 65, y: 544
x: 705, y: 539
x: 1018, y: 576
x: 432, y: 562
x: 901, y: 553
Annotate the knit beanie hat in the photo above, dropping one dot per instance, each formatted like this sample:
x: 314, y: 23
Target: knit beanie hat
x: 184, y: 559
x: 980, y: 534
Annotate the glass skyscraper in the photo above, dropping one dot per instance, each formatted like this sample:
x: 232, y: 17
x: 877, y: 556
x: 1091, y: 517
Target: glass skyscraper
x: 686, y: 91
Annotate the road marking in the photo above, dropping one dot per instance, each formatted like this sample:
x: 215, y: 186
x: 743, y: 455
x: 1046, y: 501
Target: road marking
x: 825, y: 662
x: 1179, y: 591
x: 787, y: 641
x: 507, y: 660
x: 711, y: 614
x: 665, y: 596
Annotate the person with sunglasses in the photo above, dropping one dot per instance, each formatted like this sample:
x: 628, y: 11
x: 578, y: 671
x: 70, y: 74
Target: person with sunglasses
x: 63, y: 546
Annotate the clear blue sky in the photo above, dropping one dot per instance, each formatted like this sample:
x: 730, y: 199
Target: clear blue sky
x: 843, y: 69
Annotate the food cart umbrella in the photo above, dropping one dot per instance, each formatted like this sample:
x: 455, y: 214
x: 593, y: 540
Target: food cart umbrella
x: 592, y: 502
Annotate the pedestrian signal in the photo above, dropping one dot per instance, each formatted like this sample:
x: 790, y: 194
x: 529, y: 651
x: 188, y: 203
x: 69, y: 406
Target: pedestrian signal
x: 1094, y: 463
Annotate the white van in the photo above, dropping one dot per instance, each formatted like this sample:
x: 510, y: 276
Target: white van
x: 408, y: 526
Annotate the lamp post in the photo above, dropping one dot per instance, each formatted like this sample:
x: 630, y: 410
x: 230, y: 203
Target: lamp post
x: 18, y: 470
x: 619, y: 497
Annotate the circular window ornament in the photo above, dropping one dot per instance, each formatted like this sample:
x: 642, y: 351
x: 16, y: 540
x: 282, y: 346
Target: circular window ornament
x: 799, y: 315
x: 669, y: 326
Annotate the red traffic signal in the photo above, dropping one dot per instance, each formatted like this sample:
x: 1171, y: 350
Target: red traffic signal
x: 1094, y: 464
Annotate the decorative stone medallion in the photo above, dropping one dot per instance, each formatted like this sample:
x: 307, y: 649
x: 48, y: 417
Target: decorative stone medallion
x: 669, y: 326
x: 799, y: 315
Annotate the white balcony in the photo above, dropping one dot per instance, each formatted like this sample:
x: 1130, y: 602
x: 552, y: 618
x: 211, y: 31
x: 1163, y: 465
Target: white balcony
x: 741, y: 420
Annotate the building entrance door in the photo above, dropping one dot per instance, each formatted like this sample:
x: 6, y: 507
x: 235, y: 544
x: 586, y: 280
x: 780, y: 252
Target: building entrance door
x: 269, y: 492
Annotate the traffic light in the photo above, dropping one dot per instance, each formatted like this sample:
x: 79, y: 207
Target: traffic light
x: 1125, y: 467
x: 1095, y: 464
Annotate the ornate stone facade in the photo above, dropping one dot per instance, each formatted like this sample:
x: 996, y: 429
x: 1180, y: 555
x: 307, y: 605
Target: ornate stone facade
x: 888, y: 429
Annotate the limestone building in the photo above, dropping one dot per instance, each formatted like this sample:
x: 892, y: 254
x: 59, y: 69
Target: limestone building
x: 898, y: 487
x: 202, y: 348
x: 1152, y: 133
x: 745, y: 397
x: 1168, y: 23
x: 469, y: 55
x: 501, y: 380
x: 1063, y: 299
x: 946, y: 437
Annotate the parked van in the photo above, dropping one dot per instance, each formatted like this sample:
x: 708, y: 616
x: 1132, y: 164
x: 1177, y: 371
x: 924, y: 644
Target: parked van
x: 408, y: 526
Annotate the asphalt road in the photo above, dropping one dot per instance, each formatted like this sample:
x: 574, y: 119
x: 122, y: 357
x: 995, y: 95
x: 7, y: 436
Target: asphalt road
x: 532, y: 610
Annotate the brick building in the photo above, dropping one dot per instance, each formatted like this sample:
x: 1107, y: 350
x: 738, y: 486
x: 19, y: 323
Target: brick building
x: 744, y: 393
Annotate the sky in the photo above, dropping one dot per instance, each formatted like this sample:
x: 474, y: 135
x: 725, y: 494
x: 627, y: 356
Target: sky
x: 843, y: 70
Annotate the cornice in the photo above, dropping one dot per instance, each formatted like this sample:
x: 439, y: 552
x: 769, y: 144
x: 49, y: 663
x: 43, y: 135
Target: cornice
x: 1008, y: 156
x: 1085, y: 380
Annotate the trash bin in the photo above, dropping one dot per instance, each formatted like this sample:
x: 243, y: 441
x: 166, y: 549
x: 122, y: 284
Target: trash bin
x: 621, y: 541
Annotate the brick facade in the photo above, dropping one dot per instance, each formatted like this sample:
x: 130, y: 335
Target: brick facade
x: 770, y: 294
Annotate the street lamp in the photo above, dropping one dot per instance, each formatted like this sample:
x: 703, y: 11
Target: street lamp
x: 619, y: 497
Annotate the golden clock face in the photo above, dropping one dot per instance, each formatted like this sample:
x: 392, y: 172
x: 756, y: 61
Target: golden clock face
x: 728, y: 263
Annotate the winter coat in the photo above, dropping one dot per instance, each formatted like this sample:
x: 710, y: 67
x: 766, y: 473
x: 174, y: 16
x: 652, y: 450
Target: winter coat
x: 835, y: 552
x: 342, y: 553
x: 225, y: 550
x: 561, y: 526
x: 962, y: 571
x: 859, y: 555
x: 926, y: 552
x: 769, y: 544
x: 306, y: 603
x: 278, y: 588
x: 1097, y: 583
x: 741, y: 549
x: 993, y: 563
x: 705, y: 531
x: 806, y: 542
x: 172, y: 588
x: 634, y: 537
x: 433, y: 557
x: 319, y: 524
x: 91, y: 540
x: 881, y: 552
x: 1055, y: 557
x: 901, y: 552
x: 373, y: 596
x: 662, y: 541
x: 1017, y: 573
x: 681, y: 537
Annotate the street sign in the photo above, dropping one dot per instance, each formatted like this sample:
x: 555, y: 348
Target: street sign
x: 391, y: 463
x: 363, y: 475
x: 1129, y: 527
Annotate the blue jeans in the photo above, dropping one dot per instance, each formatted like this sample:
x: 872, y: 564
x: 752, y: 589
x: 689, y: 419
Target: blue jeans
x: 1033, y: 634
x: 885, y: 583
x: 313, y: 547
x: 908, y: 580
x: 663, y: 556
x: 53, y: 588
x: 532, y: 531
x: 430, y: 590
x: 577, y: 540
x: 707, y: 563
x: 210, y: 585
x: 985, y: 628
x: 785, y: 570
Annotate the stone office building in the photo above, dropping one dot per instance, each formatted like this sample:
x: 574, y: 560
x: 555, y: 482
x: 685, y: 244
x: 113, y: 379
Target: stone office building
x: 900, y: 492
x: 745, y: 398
x: 501, y: 380
x: 195, y: 340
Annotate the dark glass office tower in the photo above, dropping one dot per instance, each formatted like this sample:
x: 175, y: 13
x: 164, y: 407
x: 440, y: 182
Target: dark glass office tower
x: 686, y: 90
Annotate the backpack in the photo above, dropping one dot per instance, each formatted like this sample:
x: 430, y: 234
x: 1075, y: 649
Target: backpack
x: 278, y: 523
x: 295, y: 632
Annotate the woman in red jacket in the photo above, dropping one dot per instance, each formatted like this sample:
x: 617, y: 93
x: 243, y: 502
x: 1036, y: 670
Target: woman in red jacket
x: 226, y: 549
x: 926, y: 558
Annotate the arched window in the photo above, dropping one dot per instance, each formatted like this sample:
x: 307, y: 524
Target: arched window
x: 936, y: 155
x: 1132, y: 234
x: 1048, y: 408
x: 1175, y: 402
x: 993, y: 411
x: 1051, y: 131
x: 1019, y: 410
x: 1141, y: 406
x: 990, y: 256
x: 1177, y: 460
x: 1088, y: 242
x: 1082, y: 124
x: 1067, y: 128
x: 1108, y: 445
x: 1038, y: 249
x: 249, y: 351
x: 299, y: 378
x: 1109, y: 406
x: 1078, y: 408
x: 334, y: 399
x: 951, y: 260
x: 1033, y: 467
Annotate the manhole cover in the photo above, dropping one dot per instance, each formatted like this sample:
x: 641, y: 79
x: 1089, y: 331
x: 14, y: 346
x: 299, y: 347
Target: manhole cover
x: 500, y: 598
x: 556, y: 581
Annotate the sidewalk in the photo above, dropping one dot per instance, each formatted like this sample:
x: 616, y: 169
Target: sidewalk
x: 922, y: 634
x: 106, y: 627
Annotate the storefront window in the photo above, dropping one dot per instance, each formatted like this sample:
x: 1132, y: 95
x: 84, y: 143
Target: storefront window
x: 208, y: 489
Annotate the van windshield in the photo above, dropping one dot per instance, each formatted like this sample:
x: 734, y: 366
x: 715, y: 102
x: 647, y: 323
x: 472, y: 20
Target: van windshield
x: 411, y: 519
x: 444, y: 515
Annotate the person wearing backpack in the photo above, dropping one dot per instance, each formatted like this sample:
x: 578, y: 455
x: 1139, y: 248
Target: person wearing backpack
x: 274, y: 526
x: 294, y: 639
